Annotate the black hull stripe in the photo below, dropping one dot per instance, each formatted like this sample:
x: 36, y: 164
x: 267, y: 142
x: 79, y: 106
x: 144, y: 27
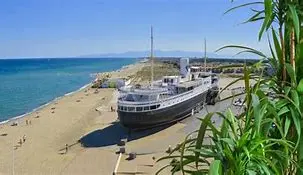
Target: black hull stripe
x: 164, y: 115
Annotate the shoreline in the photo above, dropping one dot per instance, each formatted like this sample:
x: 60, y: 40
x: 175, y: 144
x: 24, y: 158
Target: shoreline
x: 63, y: 121
x: 41, y: 106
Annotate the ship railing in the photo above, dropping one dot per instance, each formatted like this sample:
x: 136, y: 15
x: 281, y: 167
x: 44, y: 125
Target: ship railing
x: 122, y: 102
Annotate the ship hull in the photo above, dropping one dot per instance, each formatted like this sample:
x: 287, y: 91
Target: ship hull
x: 161, y: 116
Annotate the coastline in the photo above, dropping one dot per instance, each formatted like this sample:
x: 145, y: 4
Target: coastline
x: 41, y: 106
x: 64, y: 120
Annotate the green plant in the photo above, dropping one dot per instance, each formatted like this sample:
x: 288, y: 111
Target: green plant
x: 253, y: 144
x: 266, y: 137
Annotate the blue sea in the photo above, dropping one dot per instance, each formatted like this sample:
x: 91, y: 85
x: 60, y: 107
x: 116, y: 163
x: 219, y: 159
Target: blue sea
x: 26, y: 84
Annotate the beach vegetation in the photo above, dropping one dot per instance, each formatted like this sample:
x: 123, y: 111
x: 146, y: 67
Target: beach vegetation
x: 266, y: 138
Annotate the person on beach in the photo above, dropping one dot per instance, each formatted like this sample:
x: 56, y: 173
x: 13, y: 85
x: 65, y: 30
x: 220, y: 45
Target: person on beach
x: 66, y: 148
x: 24, y: 138
x: 26, y: 121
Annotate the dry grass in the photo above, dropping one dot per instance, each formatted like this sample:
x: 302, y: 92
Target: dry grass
x: 160, y: 69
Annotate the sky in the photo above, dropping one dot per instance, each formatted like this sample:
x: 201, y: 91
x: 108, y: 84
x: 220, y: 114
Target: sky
x: 67, y: 28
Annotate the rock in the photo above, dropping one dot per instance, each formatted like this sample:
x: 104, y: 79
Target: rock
x: 132, y: 156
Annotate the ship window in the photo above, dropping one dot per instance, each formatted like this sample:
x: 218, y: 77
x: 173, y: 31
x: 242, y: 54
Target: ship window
x: 131, y: 108
x: 129, y: 97
x: 137, y: 97
x: 163, y: 96
x: 190, y: 88
x: 153, y: 107
x: 120, y: 107
x: 139, y: 109
x: 158, y: 106
x: 153, y: 97
x: 146, y: 108
x: 124, y: 108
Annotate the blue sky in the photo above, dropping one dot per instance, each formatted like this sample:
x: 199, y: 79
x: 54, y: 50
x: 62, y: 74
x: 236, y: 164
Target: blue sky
x: 61, y: 28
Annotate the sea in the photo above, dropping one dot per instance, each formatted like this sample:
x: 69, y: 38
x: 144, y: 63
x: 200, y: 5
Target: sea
x: 27, y: 84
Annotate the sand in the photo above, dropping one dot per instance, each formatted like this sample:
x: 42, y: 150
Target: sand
x: 63, y: 121
x: 84, y: 121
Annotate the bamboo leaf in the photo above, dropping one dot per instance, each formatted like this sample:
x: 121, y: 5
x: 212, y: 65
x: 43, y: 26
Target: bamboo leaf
x: 161, y: 169
x: 243, y: 5
x: 287, y: 90
x: 277, y: 45
x: 243, y: 140
x: 246, y: 152
x: 300, y: 87
x: 251, y: 51
x: 201, y: 134
x: 233, y: 96
x: 273, y: 62
x: 229, y: 141
x: 290, y: 101
x: 281, y: 103
x: 182, y: 155
x: 244, y: 48
x: 205, y: 152
x: 215, y: 168
x: 255, y: 17
x: 255, y: 100
x: 295, y: 19
x: 231, y: 120
x: 268, y: 15
x: 251, y: 172
x: 283, y: 110
x: 297, y: 122
x: 247, y: 87
x: 287, y: 124
x: 231, y: 83
x: 291, y: 73
x: 295, y: 98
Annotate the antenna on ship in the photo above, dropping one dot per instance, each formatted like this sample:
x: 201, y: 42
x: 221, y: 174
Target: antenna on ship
x: 205, y: 55
x: 151, y: 54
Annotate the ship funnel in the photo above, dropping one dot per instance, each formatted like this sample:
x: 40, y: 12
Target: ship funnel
x: 184, y: 67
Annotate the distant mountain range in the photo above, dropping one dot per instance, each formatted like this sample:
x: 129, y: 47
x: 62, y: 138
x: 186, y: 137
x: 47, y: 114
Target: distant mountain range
x: 157, y: 53
x: 161, y: 53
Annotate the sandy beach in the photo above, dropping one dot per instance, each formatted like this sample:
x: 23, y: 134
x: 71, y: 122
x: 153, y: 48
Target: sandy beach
x: 84, y: 122
x: 50, y: 128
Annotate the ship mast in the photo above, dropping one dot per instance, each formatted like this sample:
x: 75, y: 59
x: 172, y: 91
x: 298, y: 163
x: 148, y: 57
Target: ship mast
x: 205, y: 55
x: 151, y: 54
